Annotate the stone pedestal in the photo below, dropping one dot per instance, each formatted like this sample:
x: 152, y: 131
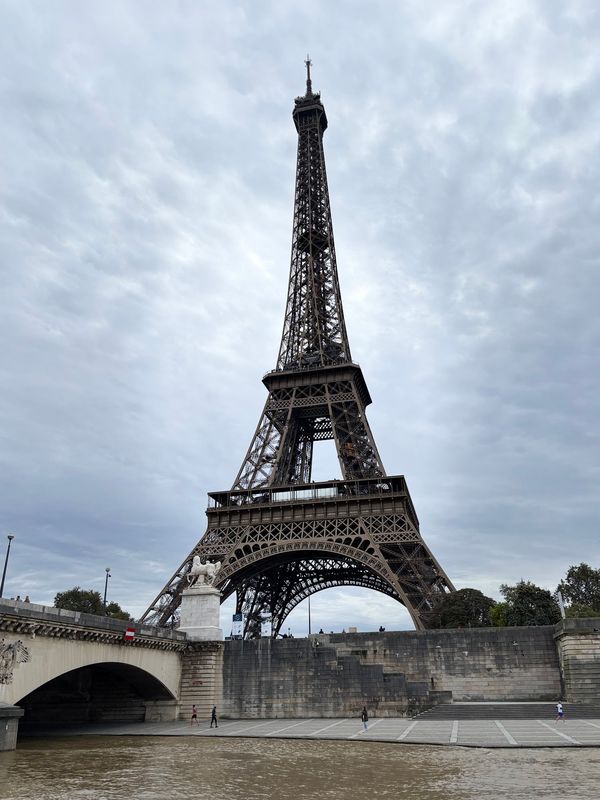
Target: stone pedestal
x: 200, y: 610
x: 9, y: 725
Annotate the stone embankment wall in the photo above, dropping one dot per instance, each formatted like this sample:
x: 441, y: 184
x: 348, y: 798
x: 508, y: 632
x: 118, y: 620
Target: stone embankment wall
x: 393, y: 673
x: 578, y: 643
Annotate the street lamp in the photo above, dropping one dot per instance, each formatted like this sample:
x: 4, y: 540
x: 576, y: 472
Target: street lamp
x: 108, y: 575
x: 10, y: 537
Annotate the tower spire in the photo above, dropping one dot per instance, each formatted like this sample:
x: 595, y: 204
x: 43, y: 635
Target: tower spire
x: 308, y: 63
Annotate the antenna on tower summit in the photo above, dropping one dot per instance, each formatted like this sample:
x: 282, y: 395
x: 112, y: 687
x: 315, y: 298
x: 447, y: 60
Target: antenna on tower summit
x: 308, y: 63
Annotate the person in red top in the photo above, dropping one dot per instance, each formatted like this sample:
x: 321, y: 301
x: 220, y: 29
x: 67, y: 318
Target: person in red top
x: 194, y: 716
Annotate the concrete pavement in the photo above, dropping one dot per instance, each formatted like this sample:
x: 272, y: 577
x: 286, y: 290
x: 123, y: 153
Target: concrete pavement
x: 467, y: 733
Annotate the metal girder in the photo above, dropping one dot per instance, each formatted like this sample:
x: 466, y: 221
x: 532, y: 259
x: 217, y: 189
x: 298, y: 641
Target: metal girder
x: 281, y: 586
x: 327, y: 403
x: 369, y: 524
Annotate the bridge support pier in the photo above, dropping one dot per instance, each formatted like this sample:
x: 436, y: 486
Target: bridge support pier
x: 201, y: 679
x: 9, y: 725
x: 161, y: 711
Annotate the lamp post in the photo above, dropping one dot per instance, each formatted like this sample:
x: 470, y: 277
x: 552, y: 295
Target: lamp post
x: 10, y: 537
x: 108, y: 575
x: 309, y: 631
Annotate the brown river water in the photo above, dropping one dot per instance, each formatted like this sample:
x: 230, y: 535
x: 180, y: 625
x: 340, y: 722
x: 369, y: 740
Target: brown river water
x: 153, y: 768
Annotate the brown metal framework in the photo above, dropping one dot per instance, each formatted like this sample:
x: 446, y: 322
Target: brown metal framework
x: 280, y: 537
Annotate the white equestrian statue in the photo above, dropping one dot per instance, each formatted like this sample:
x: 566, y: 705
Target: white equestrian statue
x: 202, y: 573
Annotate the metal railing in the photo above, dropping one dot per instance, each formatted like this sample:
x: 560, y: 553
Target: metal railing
x: 328, y: 490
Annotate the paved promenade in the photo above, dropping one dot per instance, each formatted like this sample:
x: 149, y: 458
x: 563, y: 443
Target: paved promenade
x: 467, y: 733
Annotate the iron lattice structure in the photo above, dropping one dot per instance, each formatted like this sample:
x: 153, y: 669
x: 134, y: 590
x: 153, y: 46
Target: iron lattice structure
x: 279, y: 536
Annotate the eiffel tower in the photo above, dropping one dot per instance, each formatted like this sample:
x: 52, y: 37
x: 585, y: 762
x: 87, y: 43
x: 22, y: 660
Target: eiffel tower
x: 279, y: 536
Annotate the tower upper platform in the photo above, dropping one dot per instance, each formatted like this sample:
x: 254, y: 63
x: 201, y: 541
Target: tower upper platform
x: 308, y: 108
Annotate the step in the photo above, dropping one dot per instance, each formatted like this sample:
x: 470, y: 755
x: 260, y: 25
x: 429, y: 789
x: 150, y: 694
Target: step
x: 508, y: 711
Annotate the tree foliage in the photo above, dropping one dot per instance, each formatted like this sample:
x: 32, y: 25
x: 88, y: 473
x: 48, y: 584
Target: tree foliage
x: 581, y: 589
x: 498, y: 615
x: 89, y: 602
x: 466, y: 608
x: 78, y: 599
x: 528, y: 604
x: 577, y: 610
x: 115, y: 611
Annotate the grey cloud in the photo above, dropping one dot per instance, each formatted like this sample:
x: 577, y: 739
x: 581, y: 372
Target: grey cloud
x: 145, y: 217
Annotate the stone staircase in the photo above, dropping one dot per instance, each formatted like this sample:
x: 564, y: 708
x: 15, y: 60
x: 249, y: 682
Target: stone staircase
x: 483, y: 711
x: 387, y: 691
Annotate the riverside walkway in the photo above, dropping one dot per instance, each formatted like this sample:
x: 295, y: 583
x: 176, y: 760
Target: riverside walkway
x: 487, y: 733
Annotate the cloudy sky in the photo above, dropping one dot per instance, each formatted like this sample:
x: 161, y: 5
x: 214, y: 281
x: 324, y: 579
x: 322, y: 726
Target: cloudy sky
x: 147, y: 159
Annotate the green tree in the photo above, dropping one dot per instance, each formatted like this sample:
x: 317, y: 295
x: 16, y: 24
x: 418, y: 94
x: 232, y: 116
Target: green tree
x: 115, y: 611
x: 78, y: 599
x: 498, y: 615
x: 528, y: 604
x: 577, y: 610
x: 89, y: 602
x: 581, y: 588
x: 466, y: 608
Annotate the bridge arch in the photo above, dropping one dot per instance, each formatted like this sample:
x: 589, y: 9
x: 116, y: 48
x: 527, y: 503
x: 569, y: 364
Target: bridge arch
x: 108, y: 691
x: 45, y: 658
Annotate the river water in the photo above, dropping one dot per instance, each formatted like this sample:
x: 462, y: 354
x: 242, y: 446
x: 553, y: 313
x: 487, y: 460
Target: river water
x: 153, y: 768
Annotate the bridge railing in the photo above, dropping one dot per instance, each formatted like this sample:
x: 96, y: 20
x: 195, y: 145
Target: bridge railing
x: 17, y: 615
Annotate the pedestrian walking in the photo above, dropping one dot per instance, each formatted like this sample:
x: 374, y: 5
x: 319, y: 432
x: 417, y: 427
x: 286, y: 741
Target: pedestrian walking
x: 213, y: 717
x: 365, y: 717
x: 560, y: 712
x: 194, y: 716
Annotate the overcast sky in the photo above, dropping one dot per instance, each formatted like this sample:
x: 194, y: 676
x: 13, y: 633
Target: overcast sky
x: 146, y: 191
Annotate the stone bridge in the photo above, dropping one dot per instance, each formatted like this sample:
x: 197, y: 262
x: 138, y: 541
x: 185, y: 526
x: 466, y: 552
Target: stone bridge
x: 66, y: 667
x: 62, y: 668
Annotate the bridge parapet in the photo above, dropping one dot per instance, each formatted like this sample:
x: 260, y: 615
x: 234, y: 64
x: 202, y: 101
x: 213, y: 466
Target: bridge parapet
x: 38, y: 620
